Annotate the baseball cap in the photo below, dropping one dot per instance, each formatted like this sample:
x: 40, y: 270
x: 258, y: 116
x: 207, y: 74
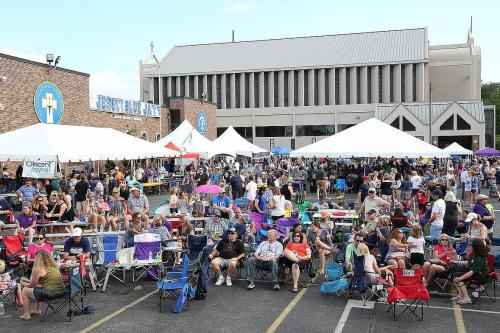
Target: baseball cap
x: 325, y: 214
x: 77, y: 232
x: 371, y: 211
x: 366, y: 178
x: 135, y: 189
x: 316, y: 216
x: 222, y: 191
x: 482, y: 196
x: 372, y: 189
x: 471, y: 216
x: 437, y: 193
x: 232, y: 231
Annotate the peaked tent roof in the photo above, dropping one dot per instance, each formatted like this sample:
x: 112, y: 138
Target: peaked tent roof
x: 371, y: 138
x: 66, y: 143
x: 456, y: 149
x: 188, y: 139
x: 232, y: 141
x: 487, y: 151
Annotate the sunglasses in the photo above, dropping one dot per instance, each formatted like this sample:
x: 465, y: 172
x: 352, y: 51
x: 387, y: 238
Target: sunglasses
x: 296, y: 236
x: 359, y: 241
x: 40, y: 238
x: 445, y: 240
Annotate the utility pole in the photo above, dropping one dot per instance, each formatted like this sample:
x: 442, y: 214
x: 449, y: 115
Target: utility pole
x: 430, y: 113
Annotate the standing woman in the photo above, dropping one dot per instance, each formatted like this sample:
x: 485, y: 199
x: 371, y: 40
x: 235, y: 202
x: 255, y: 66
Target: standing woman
x: 69, y: 214
x: 174, y: 200
x: 451, y: 214
x: 46, y: 281
x: 260, y: 202
x: 277, y: 205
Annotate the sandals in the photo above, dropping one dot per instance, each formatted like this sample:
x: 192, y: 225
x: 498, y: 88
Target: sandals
x: 295, y: 290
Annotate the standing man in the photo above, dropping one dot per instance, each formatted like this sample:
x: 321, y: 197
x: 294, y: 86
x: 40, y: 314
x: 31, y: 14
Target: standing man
x: 27, y: 192
x: 251, y: 190
x: 437, y: 214
x: 363, y: 190
x: 138, y: 203
x: 201, y: 177
x: 236, y: 185
x: 81, y: 190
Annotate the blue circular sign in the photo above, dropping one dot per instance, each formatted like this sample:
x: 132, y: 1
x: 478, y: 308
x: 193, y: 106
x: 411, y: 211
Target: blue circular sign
x: 201, y: 122
x: 49, y: 104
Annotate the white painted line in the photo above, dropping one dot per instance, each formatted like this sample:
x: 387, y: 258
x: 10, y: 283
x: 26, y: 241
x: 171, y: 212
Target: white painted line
x: 351, y: 304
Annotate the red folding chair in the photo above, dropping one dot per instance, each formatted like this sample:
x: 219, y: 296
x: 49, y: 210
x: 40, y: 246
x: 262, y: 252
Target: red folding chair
x: 408, y: 291
x: 482, y: 289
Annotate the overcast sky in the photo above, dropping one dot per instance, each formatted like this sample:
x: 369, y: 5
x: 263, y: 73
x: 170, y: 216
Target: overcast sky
x: 108, y: 38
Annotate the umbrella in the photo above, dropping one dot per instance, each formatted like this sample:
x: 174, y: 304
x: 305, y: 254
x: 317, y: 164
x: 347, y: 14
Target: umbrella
x: 281, y: 150
x: 210, y: 189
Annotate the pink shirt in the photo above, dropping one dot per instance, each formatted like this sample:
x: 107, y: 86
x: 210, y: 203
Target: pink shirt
x: 33, y: 249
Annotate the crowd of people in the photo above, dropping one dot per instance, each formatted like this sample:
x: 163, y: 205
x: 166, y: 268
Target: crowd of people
x: 399, y: 201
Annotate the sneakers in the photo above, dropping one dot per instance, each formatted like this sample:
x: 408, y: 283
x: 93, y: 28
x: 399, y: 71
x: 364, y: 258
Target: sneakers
x: 475, y: 294
x: 220, y: 280
x: 276, y: 286
x: 456, y: 298
x: 251, y: 285
x: 228, y: 281
x: 464, y: 301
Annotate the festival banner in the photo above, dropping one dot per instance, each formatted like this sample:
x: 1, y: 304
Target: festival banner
x: 39, y: 169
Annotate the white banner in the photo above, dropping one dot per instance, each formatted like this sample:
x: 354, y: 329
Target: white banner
x: 39, y: 169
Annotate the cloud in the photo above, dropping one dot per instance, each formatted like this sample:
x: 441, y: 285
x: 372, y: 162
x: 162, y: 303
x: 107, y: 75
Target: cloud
x: 29, y: 56
x: 236, y: 9
x: 109, y: 83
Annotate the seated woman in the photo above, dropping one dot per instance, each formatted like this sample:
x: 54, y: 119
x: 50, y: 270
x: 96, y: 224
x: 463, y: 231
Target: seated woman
x: 26, y: 222
x: 297, y: 256
x: 398, y: 249
x: 477, y: 230
x: 417, y: 250
x: 322, y: 240
x: 297, y: 228
x: 477, y: 270
x: 160, y: 229
x: 185, y: 229
x: 371, y: 267
x: 94, y: 213
x: 46, y: 281
x: 39, y: 206
x: 39, y: 245
x: 399, y: 219
x: 443, y: 255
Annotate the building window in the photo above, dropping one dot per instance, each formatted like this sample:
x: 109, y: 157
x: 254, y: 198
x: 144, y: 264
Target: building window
x: 247, y: 90
x: 273, y: 131
x: 295, y: 88
x: 342, y: 127
x: 447, y: 125
x: 209, y: 88
x: 369, y: 84
x: 286, y: 77
x: 183, y: 86
x: 237, y: 90
x: 327, y: 86
x: 315, y: 130
x: 158, y: 137
x: 403, y: 77
x: 358, y: 85
x: 155, y: 90
x: 414, y: 82
x: 489, y: 122
x: 306, y: 87
x: 395, y: 123
x: 462, y: 124
x: 221, y: 130
x: 228, y: 91
x: 175, y: 119
x: 266, y: 89
x: 256, y: 89
x: 245, y: 132
x: 407, y: 125
x: 337, y: 86
x: 347, y: 86
x: 144, y: 136
x: 380, y: 84
x: 391, y: 83
x: 191, y: 86
x: 200, y: 87
x: 219, y: 93
x: 276, y: 88
x: 316, y: 87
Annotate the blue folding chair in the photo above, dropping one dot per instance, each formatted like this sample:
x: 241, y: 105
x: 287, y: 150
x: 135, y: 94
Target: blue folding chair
x: 340, y: 185
x: 177, y: 286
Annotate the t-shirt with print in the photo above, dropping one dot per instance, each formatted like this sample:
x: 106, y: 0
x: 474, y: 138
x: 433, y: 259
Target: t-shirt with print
x: 76, y: 249
x: 228, y: 250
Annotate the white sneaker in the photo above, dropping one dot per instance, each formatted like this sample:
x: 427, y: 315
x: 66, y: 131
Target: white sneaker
x: 220, y: 280
x: 228, y: 281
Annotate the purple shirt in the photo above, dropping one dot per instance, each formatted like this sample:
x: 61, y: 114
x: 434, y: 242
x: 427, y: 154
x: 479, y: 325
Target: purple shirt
x: 26, y: 221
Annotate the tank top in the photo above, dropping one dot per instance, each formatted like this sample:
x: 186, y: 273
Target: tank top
x: 280, y: 205
x: 52, y: 281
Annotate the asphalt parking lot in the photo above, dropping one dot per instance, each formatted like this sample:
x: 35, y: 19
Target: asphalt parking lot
x: 134, y: 307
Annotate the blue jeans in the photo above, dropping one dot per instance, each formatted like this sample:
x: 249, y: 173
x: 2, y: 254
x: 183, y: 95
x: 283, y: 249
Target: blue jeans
x: 252, y: 263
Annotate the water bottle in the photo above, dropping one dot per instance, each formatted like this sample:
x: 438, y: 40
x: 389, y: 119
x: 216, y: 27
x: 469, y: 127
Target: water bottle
x: 2, y: 309
x: 150, y: 256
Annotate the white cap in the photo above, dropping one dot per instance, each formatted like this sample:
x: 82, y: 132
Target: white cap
x: 135, y: 189
x: 471, y: 216
x: 77, y: 232
x: 372, y: 189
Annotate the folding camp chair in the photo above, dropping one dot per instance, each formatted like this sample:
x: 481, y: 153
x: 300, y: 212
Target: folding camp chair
x: 146, y: 249
x: 176, y: 285
x: 409, y: 291
x: 14, y: 254
x: 106, y: 255
x: 68, y: 298
x: 482, y: 289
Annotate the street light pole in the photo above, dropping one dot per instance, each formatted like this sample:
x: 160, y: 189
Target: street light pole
x: 430, y: 113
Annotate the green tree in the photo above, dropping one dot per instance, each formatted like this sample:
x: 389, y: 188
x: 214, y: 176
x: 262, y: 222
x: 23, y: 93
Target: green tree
x: 490, y: 92
x: 132, y: 131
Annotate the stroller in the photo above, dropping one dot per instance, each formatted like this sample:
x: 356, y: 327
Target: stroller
x: 14, y: 255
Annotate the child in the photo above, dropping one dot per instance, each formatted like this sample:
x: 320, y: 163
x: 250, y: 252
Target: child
x: 417, y: 242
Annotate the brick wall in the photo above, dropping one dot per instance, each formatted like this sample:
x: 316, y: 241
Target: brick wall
x: 189, y: 109
x: 23, y: 79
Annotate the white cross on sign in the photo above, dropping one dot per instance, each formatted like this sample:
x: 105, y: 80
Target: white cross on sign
x: 49, y: 104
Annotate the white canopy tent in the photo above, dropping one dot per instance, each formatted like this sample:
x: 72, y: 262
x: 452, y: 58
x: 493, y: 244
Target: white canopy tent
x: 456, y: 149
x: 371, y: 138
x: 189, y: 140
x: 64, y: 143
x: 235, y: 143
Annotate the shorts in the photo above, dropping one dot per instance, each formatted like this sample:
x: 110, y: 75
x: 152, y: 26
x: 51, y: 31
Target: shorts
x: 223, y: 263
x: 417, y: 259
x: 436, y: 230
x: 41, y: 294
x: 302, y: 263
x: 474, y: 190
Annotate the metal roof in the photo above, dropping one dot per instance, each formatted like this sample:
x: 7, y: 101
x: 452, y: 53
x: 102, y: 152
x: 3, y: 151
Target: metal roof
x: 421, y: 110
x: 379, y: 47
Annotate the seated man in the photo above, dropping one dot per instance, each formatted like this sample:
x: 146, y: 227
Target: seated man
x: 226, y: 254
x: 321, y: 204
x: 5, y: 211
x: 138, y: 203
x: 371, y: 222
x: 76, y: 246
x: 222, y: 203
x: 357, y: 239
x: 265, y: 257
x: 215, y: 227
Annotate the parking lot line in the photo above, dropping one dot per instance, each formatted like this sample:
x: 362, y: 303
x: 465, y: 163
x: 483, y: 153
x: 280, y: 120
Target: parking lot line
x: 116, y: 313
x: 345, y: 315
x: 274, y: 326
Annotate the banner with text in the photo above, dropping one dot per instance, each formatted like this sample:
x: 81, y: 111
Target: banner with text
x: 39, y: 169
